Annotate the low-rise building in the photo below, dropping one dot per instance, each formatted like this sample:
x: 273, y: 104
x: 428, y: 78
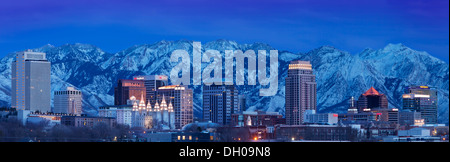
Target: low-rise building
x: 87, y: 121
x: 180, y: 137
x: 314, y: 133
x: 122, y: 113
x: 311, y: 117
x: 261, y: 118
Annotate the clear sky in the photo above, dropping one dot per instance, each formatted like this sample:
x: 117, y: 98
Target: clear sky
x: 296, y: 26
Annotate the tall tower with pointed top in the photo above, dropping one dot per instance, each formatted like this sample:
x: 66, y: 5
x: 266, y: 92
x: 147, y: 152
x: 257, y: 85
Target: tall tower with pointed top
x: 157, y: 113
x: 135, y: 106
x: 164, y: 112
x: 142, y: 104
x: 149, y: 108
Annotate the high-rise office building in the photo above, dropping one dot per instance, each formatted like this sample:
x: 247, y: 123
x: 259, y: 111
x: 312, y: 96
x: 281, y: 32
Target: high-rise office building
x: 30, y: 82
x: 372, y: 99
x: 300, y: 91
x: 219, y: 103
x: 242, y: 103
x: 152, y: 83
x: 408, y: 117
x: 125, y: 89
x: 422, y: 99
x: 68, y: 101
x: 181, y: 98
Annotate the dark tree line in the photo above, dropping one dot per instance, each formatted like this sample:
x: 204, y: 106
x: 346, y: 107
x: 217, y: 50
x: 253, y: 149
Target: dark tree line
x: 12, y: 130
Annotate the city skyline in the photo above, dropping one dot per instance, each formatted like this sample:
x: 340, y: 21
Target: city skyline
x: 390, y: 49
x: 266, y: 71
x: 167, y: 122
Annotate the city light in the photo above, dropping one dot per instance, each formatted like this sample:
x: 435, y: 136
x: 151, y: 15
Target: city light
x: 300, y: 66
x: 421, y: 96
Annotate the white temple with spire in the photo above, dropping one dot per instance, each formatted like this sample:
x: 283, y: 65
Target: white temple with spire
x: 144, y: 116
x: 164, y: 112
x: 171, y: 121
x: 141, y: 118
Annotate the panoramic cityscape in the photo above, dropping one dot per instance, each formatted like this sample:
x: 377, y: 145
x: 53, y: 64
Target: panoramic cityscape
x: 209, y: 79
x: 147, y: 108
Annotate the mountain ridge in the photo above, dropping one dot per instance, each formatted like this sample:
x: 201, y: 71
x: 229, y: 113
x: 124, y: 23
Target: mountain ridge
x: 340, y: 74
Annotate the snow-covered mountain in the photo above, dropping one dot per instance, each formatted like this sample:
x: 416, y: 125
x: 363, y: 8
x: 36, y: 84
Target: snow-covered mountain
x: 340, y: 74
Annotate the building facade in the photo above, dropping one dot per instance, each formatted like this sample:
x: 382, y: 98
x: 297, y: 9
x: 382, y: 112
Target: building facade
x: 122, y: 113
x: 181, y: 98
x: 301, y: 94
x: 422, y: 99
x: 87, y: 121
x: 152, y: 83
x: 68, y: 101
x: 242, y: 101
x: 311, y: 117
x: 390, y: 115
x: 30, y: 82
x: 219, y: 103
x: 372, y: 99
x: 256, y: 118
x: 125, y: 89
x: 314, y: 133
x: 408, y: 118
x: 141, y: 114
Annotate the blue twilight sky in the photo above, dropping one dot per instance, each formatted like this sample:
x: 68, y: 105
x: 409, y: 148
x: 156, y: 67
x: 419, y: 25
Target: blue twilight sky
x: 296, y: 26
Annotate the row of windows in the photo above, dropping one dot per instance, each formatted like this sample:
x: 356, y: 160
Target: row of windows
x: 190, y: 138
x: 68, y: 92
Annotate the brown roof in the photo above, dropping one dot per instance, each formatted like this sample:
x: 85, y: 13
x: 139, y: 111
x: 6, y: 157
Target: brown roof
x: 371, y: 92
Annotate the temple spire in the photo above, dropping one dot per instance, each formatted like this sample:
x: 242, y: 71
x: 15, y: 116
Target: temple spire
x: 142, y: 103
x: 170, y: 107
x: 156, y: 106
x: 163, y: 104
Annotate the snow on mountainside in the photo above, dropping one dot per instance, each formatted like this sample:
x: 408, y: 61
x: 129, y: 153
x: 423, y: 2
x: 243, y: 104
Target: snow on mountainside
x: 340, y: 74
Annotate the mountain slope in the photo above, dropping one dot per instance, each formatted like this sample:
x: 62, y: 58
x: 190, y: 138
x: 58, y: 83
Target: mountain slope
x: 340, y: 74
